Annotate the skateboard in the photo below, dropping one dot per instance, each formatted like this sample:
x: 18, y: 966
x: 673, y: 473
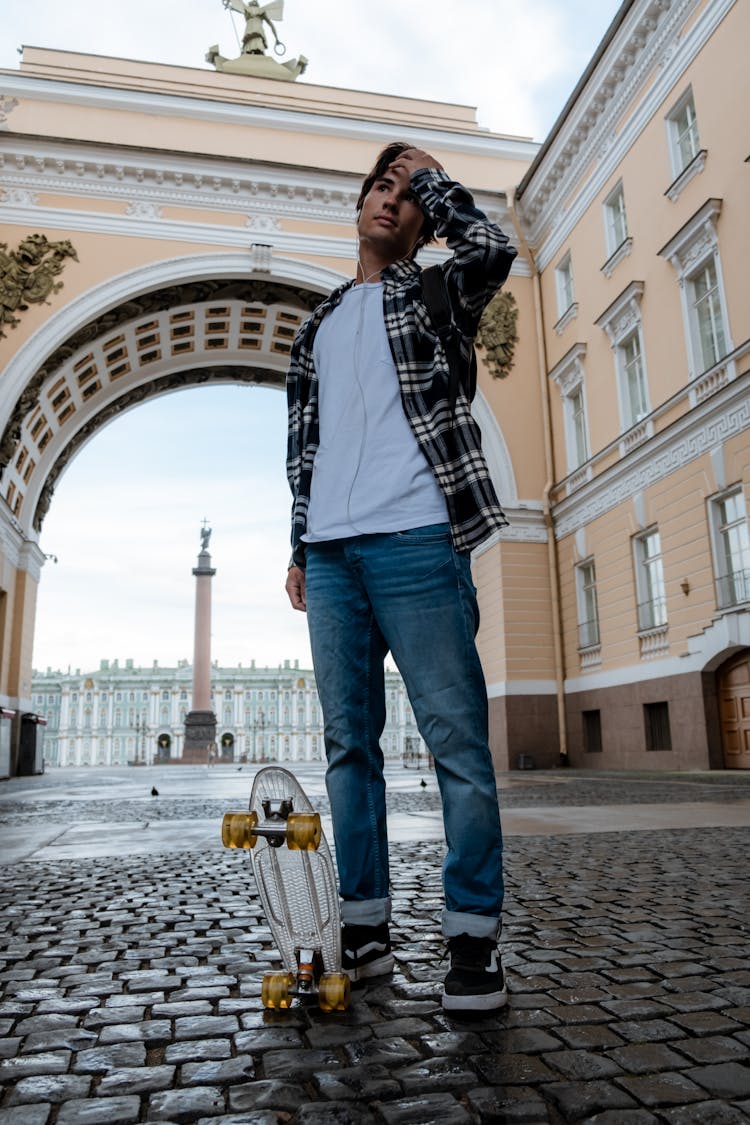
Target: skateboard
x: 294, y: 872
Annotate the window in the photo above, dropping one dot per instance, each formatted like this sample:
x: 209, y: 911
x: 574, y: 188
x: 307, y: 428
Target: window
x: 682, y: 125
x: 588, y: 609
x: 649, y: 574
x: 622, y: 323
x: 592, y: 732
x: 694, y: 254
x: 658, y: 734
x: 615, y: 220
x: 706, y: 316
x: 579, y: 441
x: 568, y: 375
x: 564, y: 279
x: 632, y: 380
x: 732, y: 549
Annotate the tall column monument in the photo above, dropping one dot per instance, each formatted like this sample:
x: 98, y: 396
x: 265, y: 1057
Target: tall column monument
x: 200, y: 722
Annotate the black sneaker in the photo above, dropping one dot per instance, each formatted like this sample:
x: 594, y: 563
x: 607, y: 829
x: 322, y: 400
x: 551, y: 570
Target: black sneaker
x: 475, y: 981
x: 366, y: 951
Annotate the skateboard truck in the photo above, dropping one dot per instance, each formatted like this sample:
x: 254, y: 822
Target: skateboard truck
x: 299, y: 831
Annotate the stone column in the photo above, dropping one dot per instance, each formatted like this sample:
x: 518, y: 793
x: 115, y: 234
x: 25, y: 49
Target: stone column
x: 200, y: 722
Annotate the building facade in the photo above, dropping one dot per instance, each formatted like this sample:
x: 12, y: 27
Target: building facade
x: 123, y: 715
x: 637, y: 213
x: 615, y: 609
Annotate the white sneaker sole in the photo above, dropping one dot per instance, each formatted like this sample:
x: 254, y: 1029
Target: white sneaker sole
x: 377, y: 968
x: 480, y: 1002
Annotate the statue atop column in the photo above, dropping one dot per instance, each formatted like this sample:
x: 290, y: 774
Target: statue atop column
x: 205, y: 536
x: 253, y: 60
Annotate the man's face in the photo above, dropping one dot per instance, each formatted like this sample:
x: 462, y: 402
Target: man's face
x: 391, y: 220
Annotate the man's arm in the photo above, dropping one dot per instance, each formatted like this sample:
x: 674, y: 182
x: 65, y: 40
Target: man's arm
x: 482, y: 254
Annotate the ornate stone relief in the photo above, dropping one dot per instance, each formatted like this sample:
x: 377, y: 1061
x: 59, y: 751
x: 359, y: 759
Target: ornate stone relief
x: 144, y: 209
x: 19, y: 197
x: 28, y: 275
x: 7, y: 105
x: 497, y: 335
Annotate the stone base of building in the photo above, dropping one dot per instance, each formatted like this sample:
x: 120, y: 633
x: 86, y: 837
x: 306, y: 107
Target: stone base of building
x: 523, y: 732
x: 200, y: 738
x: 667, y: 723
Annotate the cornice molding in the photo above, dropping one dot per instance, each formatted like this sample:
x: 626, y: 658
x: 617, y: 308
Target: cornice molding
x: 147, y: 182
x: 591, y: 136
x: 695, y: 238
x: 246, y: 115
x: 568, y: 372
x: 623, y: 314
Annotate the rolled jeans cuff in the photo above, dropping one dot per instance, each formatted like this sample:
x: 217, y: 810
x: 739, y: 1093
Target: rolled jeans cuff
x: 475, y: 925
x: 365, y: 912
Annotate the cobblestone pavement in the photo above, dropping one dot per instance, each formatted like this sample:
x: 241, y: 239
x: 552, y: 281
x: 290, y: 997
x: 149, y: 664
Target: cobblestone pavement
x: 130, y: 986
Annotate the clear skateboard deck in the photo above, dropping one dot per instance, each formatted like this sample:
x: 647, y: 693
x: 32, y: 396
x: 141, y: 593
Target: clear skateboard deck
x: 294, y: 872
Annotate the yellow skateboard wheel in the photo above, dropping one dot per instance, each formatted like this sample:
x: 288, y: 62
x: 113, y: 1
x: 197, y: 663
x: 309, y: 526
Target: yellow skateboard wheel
x: 238, y: 830
x: 334, y: 992
x: 276, y: 990
x: 303, y: 832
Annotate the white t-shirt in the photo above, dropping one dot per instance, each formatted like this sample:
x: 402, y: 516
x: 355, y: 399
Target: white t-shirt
x: 369, y: 473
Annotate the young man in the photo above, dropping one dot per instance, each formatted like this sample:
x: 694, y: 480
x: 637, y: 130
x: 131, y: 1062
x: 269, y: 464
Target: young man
x: 391, y: 493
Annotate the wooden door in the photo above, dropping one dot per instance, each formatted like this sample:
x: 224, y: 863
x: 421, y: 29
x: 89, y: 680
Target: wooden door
x: 734, y: 711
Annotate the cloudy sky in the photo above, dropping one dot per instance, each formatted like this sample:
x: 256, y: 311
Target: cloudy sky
x: 124, y: 524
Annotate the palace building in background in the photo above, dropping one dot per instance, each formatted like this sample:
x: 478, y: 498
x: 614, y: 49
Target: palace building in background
x: 181, y: 222
x: 124, y: 715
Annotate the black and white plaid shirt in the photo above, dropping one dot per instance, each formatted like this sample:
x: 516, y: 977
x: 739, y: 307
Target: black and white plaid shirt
x: 451, y: 443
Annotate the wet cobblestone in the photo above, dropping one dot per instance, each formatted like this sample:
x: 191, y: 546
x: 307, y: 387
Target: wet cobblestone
x: 535, y: 789
x: 130, y: 986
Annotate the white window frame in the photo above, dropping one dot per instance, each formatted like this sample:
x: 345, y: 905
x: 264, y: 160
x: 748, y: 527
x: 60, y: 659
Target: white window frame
x: 732, y: 575
x: 649, y: 580
x: 588, y: 606
x: 695, y: 246
x: 632, y: 412
x: 567, y: 308
x: 675, y: 132
x: 615, y: 219
x: 622, y: 323
x: 568, y: 375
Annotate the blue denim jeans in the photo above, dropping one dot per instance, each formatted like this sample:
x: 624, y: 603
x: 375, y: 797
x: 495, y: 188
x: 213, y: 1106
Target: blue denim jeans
x: 410, y: 592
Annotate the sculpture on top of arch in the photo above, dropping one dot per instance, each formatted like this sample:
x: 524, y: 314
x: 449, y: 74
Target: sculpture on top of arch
x: 253, y: 60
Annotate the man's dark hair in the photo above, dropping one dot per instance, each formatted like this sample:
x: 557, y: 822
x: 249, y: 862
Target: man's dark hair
x: 386, y: 157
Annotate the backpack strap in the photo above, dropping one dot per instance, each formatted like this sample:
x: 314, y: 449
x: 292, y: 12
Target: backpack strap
x: 437, y: 300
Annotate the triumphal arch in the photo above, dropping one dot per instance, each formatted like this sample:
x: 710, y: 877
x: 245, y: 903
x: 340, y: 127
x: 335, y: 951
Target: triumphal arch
x: 165, y: 226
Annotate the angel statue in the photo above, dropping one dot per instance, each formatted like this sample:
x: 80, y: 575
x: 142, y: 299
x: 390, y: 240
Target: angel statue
x: 254, y: 60
x: 254, y: 41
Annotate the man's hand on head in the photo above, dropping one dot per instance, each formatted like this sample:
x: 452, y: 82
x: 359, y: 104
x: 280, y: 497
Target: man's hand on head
x: 410, y: 160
